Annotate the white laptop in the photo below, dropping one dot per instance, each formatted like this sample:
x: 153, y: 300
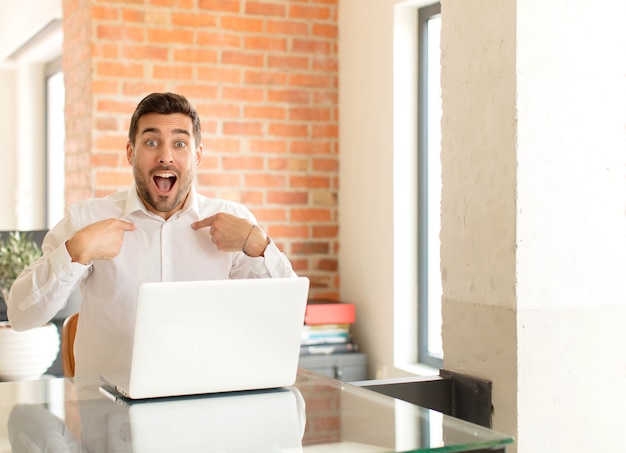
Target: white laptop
x: 214, y: 336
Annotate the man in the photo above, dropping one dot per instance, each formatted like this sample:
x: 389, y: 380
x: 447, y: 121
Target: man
x: 158, y: 230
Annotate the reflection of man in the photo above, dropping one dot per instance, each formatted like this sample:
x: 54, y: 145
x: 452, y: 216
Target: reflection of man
x: 32, y: 428
x: 158, y: 230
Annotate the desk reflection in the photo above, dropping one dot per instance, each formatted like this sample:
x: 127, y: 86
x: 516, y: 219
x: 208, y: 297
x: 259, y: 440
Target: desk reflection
x: 261, y: 421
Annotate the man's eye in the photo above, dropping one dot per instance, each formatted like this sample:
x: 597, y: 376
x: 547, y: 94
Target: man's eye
x: 180, y: 144
x: 152, y: 143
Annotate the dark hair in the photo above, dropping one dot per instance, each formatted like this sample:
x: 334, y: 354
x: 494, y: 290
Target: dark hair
x: 165, y: 104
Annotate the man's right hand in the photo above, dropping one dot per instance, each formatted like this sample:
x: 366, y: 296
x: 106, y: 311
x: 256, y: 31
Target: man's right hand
x: 99, y: 241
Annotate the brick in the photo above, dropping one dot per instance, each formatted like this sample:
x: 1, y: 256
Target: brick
x: 254, y: 77
x: 265, y: 9
x: 326, y: 264
x: 104, y: 160
x: 194, y: 20
x: 222, y: 145
x: 198, y: 90
x: 288, y: 130
x: 325, y: 231
x: 264, y: 180
x: 309, y: 248
x: 290, y: 164
x: 265, y: 43
x: 112, y: 106
x: 243, y: 128
x: 182, y: 4
x: 252, y: 198
x: 243, y: 163
x: 310, y: 80
x: 111, y: 142
x: 217, y: 74
x: 220, y: 5
x: 108, y: 87
x: 310, y: 147
x: 140, y: 89
x: 208, y: 162
x: 287, y: 197
x: 218, y: 179
x: 309, y: 114
x: 270, y: 215
x: 120, y: 32
x: 329, y: 165
x: 243, y: 58
x: 104, y: 13
x: 288, y: 62
x: 287, y: 27
x: 324, y: 198
x: 309, y: 181
x: 176, y: 72
x: 241, y: 24
x: 311, y: 214
x: 105, y: 50
x: 268, y: 146
x: 133, y: 15
x: 325, y: 131
x: 114, y: 178
x: 122, y: 70
x: 326, y: 30
x: 329, y: 64
x: 195, y: 55
x: 289, y: 96
x: 242, y: 94
x: 169, y: 37
x: 289, y: 231
x: 219, y: 39
x: 311, y: 46
x: 309, y: 12
x: 145, y: 52
x: 263, y: 111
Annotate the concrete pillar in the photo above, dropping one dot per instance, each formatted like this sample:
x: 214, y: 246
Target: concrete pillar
x: 533, y: 215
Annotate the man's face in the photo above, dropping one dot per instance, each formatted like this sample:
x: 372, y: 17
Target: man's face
x: 164, y: 161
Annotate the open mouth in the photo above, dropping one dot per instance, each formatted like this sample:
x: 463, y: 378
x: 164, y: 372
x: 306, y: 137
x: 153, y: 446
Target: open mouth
x: 164, y: 181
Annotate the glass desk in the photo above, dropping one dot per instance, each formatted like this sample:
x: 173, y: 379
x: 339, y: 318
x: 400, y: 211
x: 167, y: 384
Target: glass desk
x: 317, y: 415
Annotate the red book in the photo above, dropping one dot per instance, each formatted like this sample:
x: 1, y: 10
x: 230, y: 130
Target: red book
x: 322, y: 312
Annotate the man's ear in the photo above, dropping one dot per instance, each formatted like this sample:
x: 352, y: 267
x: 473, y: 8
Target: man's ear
x: 198, y: 155
x: 129, y: 153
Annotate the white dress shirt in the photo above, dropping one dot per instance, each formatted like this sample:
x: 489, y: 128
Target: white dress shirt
x: 157, y: 250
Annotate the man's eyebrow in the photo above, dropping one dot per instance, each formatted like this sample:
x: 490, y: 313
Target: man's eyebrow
x: 158, y: 131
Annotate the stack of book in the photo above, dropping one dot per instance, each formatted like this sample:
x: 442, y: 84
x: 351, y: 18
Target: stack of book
x: 327, y: 327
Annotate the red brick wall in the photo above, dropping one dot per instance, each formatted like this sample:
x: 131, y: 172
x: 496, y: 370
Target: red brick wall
x: 263, y: 76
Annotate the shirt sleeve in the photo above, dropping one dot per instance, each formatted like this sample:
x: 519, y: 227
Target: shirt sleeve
x: 43, y: 288
x: 274, y: 264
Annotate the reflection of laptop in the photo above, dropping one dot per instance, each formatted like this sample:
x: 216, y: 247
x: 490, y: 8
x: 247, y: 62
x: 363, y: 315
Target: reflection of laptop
x: 252, y: 422
x: 214, y: 336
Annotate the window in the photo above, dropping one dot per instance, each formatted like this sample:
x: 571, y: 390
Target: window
x: 430, y: 348
x: 55, y: 141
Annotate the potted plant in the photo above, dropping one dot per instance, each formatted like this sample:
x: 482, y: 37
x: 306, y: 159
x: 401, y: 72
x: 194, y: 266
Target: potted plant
x: 23, y: 355
x: 17, y: 251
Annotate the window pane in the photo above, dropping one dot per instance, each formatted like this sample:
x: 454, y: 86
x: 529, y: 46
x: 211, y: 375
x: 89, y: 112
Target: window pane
x: 434, y: 188
x: 55, y: 184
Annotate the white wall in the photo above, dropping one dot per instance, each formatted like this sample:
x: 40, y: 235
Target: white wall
x: 378, y: 204
x: 8, y: 218
x: 24, y: 50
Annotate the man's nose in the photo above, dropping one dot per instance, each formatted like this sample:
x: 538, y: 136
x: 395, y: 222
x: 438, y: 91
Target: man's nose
x: 165, y: 155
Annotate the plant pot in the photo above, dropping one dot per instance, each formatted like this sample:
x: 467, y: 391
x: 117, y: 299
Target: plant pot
x: 27, y: 355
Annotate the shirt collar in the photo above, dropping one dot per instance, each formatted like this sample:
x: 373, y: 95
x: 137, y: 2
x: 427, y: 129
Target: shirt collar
x: 134, y: 203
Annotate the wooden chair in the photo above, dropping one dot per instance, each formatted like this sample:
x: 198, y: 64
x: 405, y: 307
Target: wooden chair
x: 67, y: 344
